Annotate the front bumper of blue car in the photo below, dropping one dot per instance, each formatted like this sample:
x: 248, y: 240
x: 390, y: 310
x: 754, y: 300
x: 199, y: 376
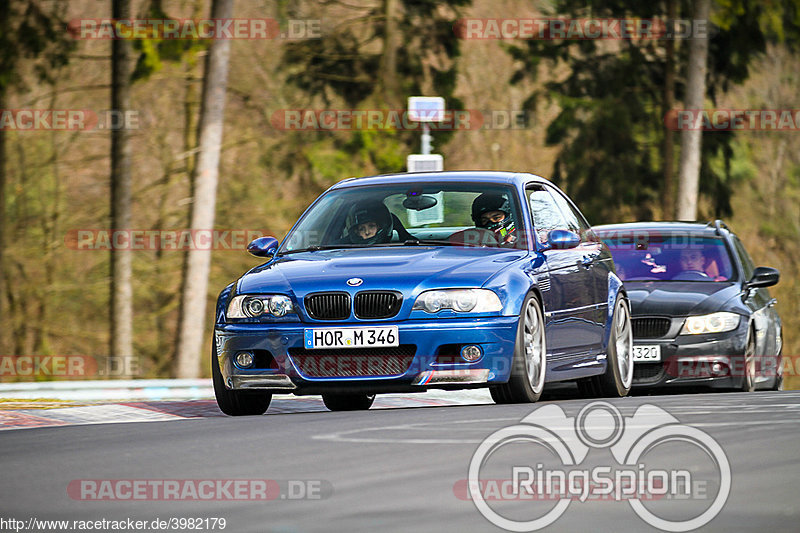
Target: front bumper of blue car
x: 428, y: 356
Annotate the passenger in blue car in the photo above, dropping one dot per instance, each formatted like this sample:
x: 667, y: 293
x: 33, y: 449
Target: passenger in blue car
x: 492, y: 212
x: 372, y: 224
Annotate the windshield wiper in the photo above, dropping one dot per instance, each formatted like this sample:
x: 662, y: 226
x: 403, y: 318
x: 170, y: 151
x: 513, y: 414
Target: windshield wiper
x: 421, y: 242
x: 317, y: 247
x: 408, y: 242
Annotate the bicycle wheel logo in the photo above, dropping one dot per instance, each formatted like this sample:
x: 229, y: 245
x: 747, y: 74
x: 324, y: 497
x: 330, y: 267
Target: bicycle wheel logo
x: 546, y: 451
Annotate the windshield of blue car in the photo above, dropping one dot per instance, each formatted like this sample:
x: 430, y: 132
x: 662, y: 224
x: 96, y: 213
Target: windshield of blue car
x: 408, y: 214
x: 642, y: 256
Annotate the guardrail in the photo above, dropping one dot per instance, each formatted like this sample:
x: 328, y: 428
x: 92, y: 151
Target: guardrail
x: 110, y: 390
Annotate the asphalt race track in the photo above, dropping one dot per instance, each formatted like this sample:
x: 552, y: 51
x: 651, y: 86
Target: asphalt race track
x: 395, y: 468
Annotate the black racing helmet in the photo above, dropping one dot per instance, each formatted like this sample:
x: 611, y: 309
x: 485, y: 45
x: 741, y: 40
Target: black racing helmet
x: 487, y: 202
x: 372, y: 211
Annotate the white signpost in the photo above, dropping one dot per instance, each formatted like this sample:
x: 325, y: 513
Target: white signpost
x: 425, y: 109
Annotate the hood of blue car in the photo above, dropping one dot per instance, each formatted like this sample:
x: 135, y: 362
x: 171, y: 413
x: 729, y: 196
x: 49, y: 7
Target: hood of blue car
x: 675, y: 298
x: 404, y: 269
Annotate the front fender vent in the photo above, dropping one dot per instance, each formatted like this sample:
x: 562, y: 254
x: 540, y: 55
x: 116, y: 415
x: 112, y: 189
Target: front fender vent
x: 544, y: 284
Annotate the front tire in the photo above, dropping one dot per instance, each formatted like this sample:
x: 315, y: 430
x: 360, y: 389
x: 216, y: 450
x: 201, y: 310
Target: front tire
x: 529, y: 364
x: 749, y: 378
x: 348, y: 402
x: 778, y: 385
x: 236, y: 402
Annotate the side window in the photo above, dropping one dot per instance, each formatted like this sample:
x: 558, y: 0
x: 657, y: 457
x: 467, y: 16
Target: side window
x: 744, y: 257
x: 545, y: 212
x: 574, y: 218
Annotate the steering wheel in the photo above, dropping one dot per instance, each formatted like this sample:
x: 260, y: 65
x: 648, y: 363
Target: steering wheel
x: 691, y: 275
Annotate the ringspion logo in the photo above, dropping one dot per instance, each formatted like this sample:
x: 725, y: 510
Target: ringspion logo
x: 643, y: 470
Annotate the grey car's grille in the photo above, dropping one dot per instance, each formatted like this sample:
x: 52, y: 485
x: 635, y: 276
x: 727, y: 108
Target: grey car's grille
x: 651, y: 327
x: 377, y: 304
x: 328, y: 305
x: 353, y: 362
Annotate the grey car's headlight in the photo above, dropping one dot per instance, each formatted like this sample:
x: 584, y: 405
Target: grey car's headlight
x: 459, y: 300
x: 713, y: 323
x: 250, y: 306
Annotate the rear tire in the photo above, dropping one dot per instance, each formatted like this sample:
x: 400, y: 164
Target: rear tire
x: 618, y: 377
x: 529, y: 363
x: 236, y: 402
x: 348, y: 402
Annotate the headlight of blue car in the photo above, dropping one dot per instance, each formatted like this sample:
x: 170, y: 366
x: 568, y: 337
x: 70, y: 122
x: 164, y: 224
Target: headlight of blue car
x: 458, y: 300
x: 260, y: 306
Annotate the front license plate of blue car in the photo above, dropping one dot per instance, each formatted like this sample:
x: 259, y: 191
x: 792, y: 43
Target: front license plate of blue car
x: 646, y: 353
x: 384, y: 336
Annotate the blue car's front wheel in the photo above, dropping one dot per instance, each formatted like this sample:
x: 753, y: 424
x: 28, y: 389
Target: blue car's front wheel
x: 236, y: 402
x: 530, y: 358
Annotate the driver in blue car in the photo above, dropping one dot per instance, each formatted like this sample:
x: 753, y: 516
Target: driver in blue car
x: 492, y: 212
x: 372, y: 224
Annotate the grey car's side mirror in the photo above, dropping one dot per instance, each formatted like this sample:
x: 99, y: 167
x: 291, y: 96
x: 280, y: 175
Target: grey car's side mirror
x: 764, y: 277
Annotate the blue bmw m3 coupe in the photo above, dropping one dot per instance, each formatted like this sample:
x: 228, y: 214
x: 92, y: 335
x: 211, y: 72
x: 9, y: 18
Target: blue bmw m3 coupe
x: 407, y: 282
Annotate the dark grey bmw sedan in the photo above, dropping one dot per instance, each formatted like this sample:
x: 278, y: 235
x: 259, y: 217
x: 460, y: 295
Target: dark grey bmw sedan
x: 702, y: 313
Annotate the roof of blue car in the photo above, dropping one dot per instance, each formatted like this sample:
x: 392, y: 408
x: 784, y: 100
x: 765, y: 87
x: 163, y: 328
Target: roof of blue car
x: 699, y: 227
x: 464, y: 176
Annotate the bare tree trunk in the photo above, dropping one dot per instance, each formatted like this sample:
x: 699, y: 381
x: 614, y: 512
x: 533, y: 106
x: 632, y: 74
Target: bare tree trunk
x: 691, y: 139
x: 5, y: 10
x: 121, y: 289
x: 668, y: 192
x: 3, y: 331
x: 391, y: 86
x: 198, y: 262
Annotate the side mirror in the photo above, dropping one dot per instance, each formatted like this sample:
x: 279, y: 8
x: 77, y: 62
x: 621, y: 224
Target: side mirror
x: 764, y: 277
x: 561, y: 239
x: 263, y: 247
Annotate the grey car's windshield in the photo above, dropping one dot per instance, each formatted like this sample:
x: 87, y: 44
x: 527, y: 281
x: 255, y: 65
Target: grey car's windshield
x: 456, y: 214
x: 642, y: 256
